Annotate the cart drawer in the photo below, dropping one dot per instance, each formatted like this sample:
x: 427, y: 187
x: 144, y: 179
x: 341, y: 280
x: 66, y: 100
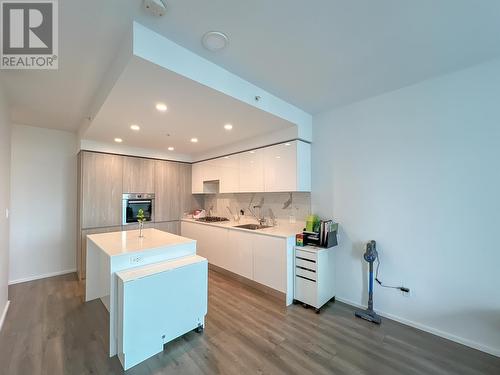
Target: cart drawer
x: 305, y: 291
x: 305, y: 254
x: 311, y: 275
x: 310, y: 265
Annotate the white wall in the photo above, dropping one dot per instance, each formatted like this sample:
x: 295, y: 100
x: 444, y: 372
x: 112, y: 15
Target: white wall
x: 43, y: 203
x: 418, y: 170
x: 4, y: 203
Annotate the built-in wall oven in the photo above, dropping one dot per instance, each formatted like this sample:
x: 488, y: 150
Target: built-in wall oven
x: 133, y: 202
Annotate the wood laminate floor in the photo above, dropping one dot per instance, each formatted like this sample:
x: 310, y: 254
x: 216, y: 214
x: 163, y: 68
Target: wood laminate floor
x: 49, y: 330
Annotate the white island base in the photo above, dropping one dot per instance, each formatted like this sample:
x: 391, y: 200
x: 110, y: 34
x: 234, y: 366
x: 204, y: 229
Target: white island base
x: 146, y: 261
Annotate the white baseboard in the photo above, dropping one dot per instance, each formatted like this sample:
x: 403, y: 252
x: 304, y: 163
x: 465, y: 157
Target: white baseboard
x: 422, y: 327
x: 37, y: 277
x: 4, y: 314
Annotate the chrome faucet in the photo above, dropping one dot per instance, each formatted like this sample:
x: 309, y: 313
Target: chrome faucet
x: 260, y: 218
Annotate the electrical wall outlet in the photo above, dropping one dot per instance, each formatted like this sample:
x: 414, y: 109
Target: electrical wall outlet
x: 136, y: 259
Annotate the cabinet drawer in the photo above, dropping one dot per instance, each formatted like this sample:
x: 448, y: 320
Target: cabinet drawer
x: 305, y: 254
x: 305, y: 273
x: 305, y: 291
x: 310, y: 265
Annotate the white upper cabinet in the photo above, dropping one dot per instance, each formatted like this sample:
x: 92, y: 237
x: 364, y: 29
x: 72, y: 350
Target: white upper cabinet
x: 287, y: 167
x: 251, y: 171
x: 280, y: 168
x: 228, y: 173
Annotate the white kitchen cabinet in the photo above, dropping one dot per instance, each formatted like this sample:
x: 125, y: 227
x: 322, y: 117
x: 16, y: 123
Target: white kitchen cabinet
x: 197, y: 178
x: 227, y: 169
x: 251, y: 171
x: 203, y: 174
x: 287, y: 167
x: 264, y: 259
x: 211, y: 241
x: 239, y: 257
x: 270, y: 262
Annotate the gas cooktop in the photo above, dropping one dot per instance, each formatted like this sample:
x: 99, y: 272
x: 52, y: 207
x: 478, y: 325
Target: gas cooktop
x: 212, y: 219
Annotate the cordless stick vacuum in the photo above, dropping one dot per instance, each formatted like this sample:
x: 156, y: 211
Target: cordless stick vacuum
x: 370, y: 256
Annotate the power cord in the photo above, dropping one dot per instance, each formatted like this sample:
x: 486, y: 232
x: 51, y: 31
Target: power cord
x: 401, y: 288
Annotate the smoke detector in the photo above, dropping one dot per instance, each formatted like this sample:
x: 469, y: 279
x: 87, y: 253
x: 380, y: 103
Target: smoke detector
x: 155, y: 8
x: 215, y: 41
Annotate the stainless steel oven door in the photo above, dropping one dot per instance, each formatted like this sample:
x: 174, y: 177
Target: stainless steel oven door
x: 132, y: 203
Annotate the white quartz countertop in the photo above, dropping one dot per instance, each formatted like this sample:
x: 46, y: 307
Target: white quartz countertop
x: 125, y: 242
x: 282, y: 230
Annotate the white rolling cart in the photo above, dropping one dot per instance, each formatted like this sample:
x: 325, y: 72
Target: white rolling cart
x: 314, y: 276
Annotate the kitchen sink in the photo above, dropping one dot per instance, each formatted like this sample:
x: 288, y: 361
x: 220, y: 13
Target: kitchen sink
x: 252, y: 226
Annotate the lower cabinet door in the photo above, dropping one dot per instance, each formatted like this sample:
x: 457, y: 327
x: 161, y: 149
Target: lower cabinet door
x: 306, y: 291
x: 239, y: 253
x: 211, y: 242
x: 269, y: 261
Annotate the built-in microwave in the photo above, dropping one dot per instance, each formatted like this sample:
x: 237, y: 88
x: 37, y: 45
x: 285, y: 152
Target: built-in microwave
x: 133, y: 202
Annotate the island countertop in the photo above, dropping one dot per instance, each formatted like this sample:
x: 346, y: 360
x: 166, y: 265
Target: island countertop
x: 126, y: 242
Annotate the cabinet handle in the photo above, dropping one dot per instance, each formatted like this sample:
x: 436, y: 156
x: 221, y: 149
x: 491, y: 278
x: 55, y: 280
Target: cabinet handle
x: 307, y: 260
x: 306, y: 278
x: 307, y: 269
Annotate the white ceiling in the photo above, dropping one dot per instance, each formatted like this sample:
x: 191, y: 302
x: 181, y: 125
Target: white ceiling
x: 194, y: 110
x: 316, y: 55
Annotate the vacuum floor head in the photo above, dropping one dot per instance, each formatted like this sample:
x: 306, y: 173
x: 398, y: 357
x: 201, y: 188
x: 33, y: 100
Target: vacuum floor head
x: 369, y: 315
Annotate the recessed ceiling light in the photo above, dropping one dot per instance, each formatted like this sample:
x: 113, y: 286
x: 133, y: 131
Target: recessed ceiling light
x: 228, y: 126
x: 162, y: 107
x: 226, y: 157
x: 170, y: 148
x: 287, y: 144
x: 135, y: 127
x: 278, y: 157
x: 118, y: 140
x: 252, y: 152
x: 215, y: 41
x: 194, y: 140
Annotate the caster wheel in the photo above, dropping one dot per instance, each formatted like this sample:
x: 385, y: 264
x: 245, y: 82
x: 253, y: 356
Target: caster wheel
x: 317, y: 311
x: 304, y: 306
x: 295, y: 302
x: 199, y: 329
x: 333, y: 299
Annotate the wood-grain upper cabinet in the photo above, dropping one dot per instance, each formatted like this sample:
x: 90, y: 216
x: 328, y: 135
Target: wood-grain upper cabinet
x: 101, y: 190
x: 138, y: 175
x: 186, y: 198
x: 167, y: 188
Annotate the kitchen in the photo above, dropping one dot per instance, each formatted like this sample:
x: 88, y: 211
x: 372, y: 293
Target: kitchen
x: 199, y: 195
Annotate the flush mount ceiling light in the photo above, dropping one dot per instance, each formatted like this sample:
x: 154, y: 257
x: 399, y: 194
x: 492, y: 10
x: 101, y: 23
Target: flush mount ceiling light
x: 287, y: 144
x: 135, y: 127
x: 215, y: 41
x: 118, y: 140
x: 194, y: 140
x: 228, y: 126
x: 162, y: 107
x: 170, y: 148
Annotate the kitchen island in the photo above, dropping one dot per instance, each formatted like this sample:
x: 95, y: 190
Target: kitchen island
x: 110, y: 253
